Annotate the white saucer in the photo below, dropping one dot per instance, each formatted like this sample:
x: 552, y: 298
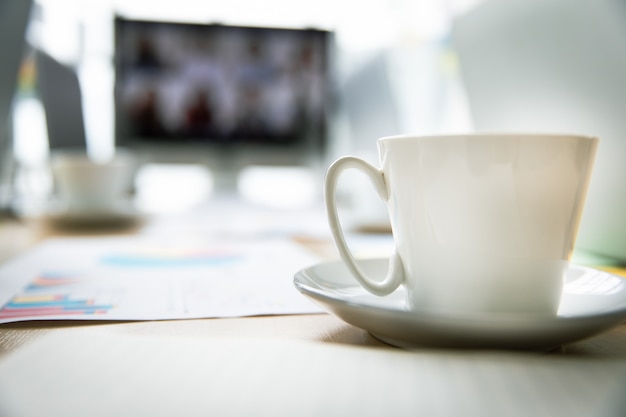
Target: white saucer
x: 592, y: 302
x: 121, y: 213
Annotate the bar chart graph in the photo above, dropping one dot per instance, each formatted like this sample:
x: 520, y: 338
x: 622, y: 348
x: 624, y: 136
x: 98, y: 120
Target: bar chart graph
x: 54, y: 294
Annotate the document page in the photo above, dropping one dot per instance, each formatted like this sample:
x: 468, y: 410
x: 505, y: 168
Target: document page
x: 138, y: 278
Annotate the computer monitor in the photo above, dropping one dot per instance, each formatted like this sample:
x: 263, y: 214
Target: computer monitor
x: 229, y: 95
x: 556, y: 66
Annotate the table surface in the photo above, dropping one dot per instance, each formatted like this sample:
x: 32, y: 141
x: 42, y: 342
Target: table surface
x: 17, y: 236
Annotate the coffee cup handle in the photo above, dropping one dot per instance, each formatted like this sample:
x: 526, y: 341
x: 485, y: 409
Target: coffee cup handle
x: 395, y: 273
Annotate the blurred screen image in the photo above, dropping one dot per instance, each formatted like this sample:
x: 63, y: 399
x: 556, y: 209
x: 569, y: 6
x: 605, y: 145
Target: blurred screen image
x: 183, y: 82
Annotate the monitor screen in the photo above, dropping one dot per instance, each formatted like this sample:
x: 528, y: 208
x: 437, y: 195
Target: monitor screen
x: 210, y: 86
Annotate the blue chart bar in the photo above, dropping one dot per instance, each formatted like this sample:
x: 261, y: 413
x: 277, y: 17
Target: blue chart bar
x: 175, y: 259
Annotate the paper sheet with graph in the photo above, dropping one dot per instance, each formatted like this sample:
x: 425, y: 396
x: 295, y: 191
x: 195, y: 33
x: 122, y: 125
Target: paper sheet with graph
x: 132, y: 278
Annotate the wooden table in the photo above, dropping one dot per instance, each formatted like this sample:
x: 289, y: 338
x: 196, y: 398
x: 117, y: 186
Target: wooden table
x: 18, y: 236
x: 294, y: 334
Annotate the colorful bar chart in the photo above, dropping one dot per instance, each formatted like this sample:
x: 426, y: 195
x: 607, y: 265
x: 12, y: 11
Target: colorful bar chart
x: 51, y: 295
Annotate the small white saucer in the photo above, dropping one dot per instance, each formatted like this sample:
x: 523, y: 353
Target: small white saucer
x: 592, y: 302
x: 121, y: 213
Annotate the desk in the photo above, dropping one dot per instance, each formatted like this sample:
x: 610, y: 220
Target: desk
x: 301, y: 336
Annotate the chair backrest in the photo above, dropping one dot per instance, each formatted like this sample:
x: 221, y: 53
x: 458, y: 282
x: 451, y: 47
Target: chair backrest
x: 14, y: 18
x: 61, y: 96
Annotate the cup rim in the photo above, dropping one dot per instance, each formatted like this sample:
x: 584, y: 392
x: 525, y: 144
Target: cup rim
x: 81, y: 158
x: 490, y: 135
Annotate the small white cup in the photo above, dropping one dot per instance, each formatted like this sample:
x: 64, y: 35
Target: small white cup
x: 85, y: 185
x: 482, y: 223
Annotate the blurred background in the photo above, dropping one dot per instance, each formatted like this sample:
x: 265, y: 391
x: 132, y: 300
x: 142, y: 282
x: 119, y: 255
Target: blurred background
x: 389, y: 69
x: 312, y: 80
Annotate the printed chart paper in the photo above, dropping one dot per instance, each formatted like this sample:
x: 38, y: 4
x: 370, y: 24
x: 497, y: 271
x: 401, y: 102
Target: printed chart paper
x: 148, y: 279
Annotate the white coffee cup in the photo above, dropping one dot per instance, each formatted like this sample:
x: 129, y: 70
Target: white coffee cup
x: 482, y: 223
x: 85, y: 185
